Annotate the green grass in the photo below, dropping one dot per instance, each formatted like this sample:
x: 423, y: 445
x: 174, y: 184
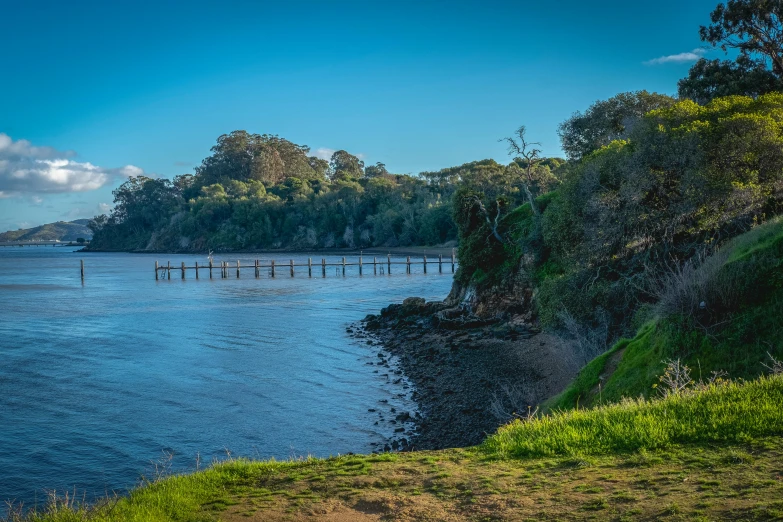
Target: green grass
x: 729, y: 411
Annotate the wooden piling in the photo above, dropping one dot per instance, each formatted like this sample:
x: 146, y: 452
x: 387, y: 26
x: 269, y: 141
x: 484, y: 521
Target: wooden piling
x: 409, y: 264
x: 309, y: 267
x: 156, y: 270
x: 183, y: 270
x: 292, y: 268
x: 273, y: 268
x: 360, y: 264
x: 323, y: 267
x: 343, y: 266
x: 374, y: 266
x: 168, y: 270
x: 196, y: 269
x: 388, y: 261
x: 452, y: 260
x: 210, y: 268
x: 425, y: 264
x: 237, y: 268
x: 440, y: 263
x: 81, y: 268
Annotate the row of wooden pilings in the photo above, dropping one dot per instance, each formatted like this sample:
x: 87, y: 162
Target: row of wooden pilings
x: 225, y: 268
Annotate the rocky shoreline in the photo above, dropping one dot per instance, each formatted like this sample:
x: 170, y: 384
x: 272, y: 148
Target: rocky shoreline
x: 470, y: 375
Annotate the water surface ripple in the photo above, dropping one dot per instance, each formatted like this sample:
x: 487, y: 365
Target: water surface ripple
x: 98, y: 379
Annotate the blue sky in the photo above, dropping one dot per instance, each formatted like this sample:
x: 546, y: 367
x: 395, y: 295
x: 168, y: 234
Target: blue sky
x: 140, y: 86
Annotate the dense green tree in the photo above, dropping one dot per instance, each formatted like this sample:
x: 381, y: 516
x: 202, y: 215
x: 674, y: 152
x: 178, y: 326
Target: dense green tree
x: 607, y: 120
x: 688, y: 178
x: 374, y: 171
x: 234, y: 201
x: 346, y: 166
x: 709, y: 79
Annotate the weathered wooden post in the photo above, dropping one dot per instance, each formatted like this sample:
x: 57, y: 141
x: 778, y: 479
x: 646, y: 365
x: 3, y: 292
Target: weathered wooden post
x: 388, y: 261
x: 183, y: 270
x: 360, y: 263
x: 237, y: 268
x: 343, y: 266
x: 210, y: 269
x: 156, y: 270
x: 323, y: 267
x: 273, y: 268
x: 409, y: 264
x: 81, y: 268
x: 292, y: 268
x: 196, y: 269
x: 440, y: 263
x: 309, y: 267
x: 374, y: 266
x: 452, y: 260
x: 425, y: 264
x: 168, y: 270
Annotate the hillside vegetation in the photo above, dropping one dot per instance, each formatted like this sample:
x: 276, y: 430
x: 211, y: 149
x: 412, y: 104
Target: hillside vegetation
x: 61, y: 230
x: 722, y: 314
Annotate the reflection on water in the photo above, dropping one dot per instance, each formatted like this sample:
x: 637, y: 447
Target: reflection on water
x: 97, y: 379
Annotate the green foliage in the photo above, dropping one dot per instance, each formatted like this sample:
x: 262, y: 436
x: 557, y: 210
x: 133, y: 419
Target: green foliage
x: 710, y: 79
x: 483, y: 259
x: 736, y: 331
x: 606, y: 121
x: 261, y: 191
x: 688, y: 178
x: 721, y: 412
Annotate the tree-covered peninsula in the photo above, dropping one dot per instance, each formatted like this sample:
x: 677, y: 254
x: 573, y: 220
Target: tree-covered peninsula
x: 265, y: 192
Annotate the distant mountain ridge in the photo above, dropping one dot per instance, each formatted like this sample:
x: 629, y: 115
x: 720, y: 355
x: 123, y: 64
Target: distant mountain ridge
x: 61, y: 230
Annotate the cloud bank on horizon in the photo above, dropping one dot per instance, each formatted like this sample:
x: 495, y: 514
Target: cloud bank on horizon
x: 26, y: 169
x: 690, y: 56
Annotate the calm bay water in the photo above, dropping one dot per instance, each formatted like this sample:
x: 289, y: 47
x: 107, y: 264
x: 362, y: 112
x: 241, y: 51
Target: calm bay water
x: 98, y: 380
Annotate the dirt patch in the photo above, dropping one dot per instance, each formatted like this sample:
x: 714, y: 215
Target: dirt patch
x: 741, y: 482
x: 609, y: 368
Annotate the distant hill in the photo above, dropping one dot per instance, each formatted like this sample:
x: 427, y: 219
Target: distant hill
x: 62, y: 230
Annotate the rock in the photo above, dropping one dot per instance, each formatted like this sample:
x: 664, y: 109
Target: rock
x: 415, y: 302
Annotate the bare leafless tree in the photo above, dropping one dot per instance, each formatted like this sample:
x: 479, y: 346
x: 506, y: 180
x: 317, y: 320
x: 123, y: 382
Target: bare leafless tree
x: 475, y: 201
x: 519, y: 146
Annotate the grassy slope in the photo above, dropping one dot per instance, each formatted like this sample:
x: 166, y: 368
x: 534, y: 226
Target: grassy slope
x: 755, y: 264
x: 713, y: 454
x: 64, y: 231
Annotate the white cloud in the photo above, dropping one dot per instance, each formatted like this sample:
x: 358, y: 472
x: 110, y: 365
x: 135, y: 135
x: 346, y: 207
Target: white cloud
x: 25, y: 169
x: 87, y: 212
x: 690, y: 56
x: 324, y: 153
